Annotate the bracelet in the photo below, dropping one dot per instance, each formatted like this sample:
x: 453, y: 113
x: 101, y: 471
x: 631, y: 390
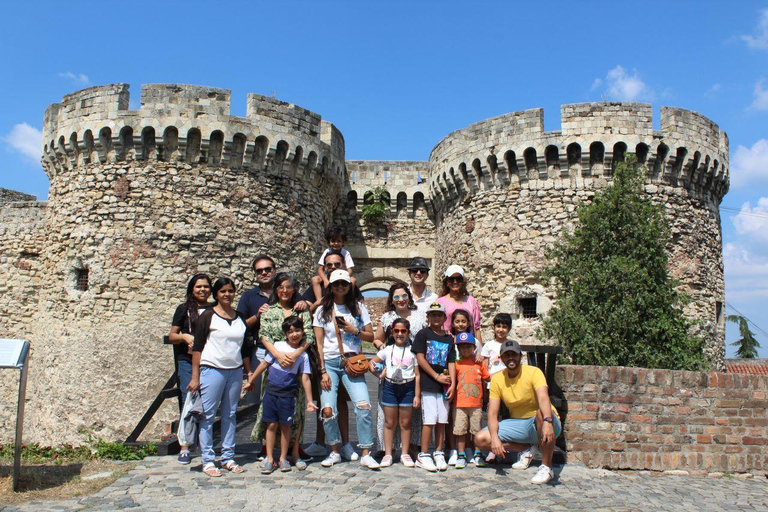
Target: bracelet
x: 323, y: 370
x: 548, y: 420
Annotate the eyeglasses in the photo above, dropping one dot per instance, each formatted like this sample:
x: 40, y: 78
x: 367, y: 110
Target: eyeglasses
x: 399, y: 331
x: 455, y: 279
x: 285, y: 288
x: 264, y: 270
x: 419, y: 271
x: 400, y: 297
x: 339, y: 284
x: 334, y: 265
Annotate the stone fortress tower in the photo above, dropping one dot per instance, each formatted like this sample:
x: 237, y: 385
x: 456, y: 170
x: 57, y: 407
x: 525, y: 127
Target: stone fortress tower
x: 141, y: 199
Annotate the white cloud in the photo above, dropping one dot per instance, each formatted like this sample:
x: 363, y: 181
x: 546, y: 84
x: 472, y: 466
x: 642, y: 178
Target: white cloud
x: 624, y: 86
x: 749, y: 166
x: 746, y: 274
x: 79, y: 79
x: 25, y: 140
x: 753, y: 222
x: 760, y: 39
x: 760, y: 95
x: 712, y: 91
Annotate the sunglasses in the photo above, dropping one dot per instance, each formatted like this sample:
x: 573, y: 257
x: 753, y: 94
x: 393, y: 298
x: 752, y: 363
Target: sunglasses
x: 334, y: 265
x: 455, y: 279
x: 285, y: 288
x: 400, y: 297
x: 399, y: 331
x: 419, y: 271
x: 339, y: 284
x: 264, y: 270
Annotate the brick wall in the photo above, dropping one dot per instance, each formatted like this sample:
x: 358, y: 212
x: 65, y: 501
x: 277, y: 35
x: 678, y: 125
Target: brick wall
x: 635, y: 418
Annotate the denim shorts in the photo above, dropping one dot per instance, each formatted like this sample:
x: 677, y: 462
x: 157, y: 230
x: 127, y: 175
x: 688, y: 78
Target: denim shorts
x: 398, y: 395
x: 524, y: 431
x: 278, y: 409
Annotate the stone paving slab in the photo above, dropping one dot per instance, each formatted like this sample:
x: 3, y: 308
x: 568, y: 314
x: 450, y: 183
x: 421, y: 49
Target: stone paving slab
x: 159, y: 483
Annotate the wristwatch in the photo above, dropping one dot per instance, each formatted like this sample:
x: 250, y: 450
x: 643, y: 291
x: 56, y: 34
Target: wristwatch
x: 549, y: 420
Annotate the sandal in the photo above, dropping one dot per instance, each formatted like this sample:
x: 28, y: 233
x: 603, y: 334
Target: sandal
x: 211, y: 471
x: 232, y: 466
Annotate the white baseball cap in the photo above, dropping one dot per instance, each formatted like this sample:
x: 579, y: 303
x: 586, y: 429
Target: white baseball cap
x: 339, y: 275
x: 454, y: 269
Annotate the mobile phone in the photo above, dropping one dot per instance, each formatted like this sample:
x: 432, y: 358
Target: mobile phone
x: 340, y: 320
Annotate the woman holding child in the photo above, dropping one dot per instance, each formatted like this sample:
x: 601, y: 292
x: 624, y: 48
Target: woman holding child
x: 282, y: 305
x: 400, y: 304
x: 340, y: 315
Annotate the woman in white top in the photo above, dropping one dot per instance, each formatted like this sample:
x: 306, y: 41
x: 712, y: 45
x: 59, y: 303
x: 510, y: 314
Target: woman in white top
x: 219, y: 354
x: 339, y: 307
x: 400, y: 304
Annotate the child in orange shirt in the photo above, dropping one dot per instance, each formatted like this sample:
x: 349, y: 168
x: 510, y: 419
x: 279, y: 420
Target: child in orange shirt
x: 471, y: 377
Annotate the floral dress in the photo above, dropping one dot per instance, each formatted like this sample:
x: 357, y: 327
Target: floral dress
x: 418, y: 321
x: 272, y: 331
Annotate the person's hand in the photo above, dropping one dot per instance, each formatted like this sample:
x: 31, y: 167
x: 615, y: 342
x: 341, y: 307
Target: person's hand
x: 449, y: 392
x: 194, y: 385
x: 302, y: 305
x: 263, y: 309
x: 325, y: 382
x: 416, y: 402
x: 283, y: 360
x: 383, y: 374
x: 547, y: 432
x: 312, y: 407
x: 350, y: 328
x: 248, y: 386
x: 479, y: 357
x: 497, y: 447
x: 443, y: 379
x: 188, y: 339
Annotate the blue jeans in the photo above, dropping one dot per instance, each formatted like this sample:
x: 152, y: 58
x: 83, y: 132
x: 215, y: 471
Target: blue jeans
x: 219, y: 387
x: 358, y: 392
x: 185, y: 375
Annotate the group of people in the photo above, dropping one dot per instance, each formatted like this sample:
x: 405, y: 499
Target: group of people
x: 293, y: 348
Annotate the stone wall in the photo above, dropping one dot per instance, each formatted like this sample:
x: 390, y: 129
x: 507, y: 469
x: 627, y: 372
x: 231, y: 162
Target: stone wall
x: 503, y: 190
x: 13, y: 196
x: 140, y: 214
x: 634, y: 418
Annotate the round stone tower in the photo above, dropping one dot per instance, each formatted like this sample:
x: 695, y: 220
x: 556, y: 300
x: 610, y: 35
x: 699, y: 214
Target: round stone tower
x: 503, y: 189
x: 139, y: 201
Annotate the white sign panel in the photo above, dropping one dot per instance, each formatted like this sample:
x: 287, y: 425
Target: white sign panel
x: 10, y: 353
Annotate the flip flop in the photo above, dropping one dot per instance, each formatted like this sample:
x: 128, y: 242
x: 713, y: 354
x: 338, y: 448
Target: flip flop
x: 232, y: 466
x: 212, y: 471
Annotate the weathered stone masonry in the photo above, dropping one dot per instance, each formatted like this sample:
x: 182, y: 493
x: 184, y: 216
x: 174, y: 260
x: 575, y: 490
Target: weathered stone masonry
x: 141, y: 199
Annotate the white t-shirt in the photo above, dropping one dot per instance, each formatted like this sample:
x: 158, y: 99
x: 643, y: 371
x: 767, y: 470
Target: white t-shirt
x: 398, y: 358
x: 491, y: 351
x: 423, y: 302
x: 347, y: 257
x: 224, y: 345
x: 351, y: 342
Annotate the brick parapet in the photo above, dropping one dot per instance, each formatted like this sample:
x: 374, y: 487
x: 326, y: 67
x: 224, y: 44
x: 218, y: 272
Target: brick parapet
x: 636, y: 418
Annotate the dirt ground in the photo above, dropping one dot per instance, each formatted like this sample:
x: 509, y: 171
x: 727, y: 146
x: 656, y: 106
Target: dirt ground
x: 50, y: 481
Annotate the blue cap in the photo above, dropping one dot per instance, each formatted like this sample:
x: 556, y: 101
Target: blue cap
x: 465, y: 337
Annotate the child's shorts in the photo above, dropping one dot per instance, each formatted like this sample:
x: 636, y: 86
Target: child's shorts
x: 434, y: 408
x: 467, y: 418
x: 398, y: 395
x: 278, y: 409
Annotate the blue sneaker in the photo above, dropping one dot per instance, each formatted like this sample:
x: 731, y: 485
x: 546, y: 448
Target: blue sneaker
x: 184, y: 457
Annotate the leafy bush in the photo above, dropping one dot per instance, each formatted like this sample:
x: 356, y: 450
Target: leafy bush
x: 375, y: 205
x: 616, y: 304
x: 94, y: 448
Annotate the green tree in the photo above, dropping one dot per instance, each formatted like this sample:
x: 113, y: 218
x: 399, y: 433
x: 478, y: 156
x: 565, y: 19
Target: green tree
x: 747, y: 345
x: 616, y: 304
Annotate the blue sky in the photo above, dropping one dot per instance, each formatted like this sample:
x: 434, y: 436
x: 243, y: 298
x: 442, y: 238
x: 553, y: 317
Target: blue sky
x: 396, y: 77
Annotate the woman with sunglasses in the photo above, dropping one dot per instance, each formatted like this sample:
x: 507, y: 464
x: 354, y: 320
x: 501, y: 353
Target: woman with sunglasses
x: 399, y: 305
x: 282, y: 304
x: 341, y: 312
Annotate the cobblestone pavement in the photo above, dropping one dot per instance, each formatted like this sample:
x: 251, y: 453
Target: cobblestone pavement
x: 161, y: 484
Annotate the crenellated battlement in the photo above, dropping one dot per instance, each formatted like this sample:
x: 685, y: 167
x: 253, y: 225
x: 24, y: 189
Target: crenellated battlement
x: 187, y: 123
x: 690, y: 151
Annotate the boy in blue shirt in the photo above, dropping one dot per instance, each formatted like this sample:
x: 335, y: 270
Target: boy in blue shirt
x: 279, y: 402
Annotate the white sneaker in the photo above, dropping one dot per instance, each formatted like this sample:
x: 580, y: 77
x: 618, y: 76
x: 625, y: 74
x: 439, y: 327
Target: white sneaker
x: 349, y: 453
x: 331, y: 459
x: 489, y: 459
x: 543, y: 475
x: 386, y: 461
x: 524, y: 459
x: 453, y: 458
x: 315, y: 450
x: 440, y: 460
x: 367, y: 461
x: 424, y: 460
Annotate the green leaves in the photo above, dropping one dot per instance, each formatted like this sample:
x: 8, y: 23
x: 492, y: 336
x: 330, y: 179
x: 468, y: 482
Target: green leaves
x: 746, y: 346
x: 616, y: 304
